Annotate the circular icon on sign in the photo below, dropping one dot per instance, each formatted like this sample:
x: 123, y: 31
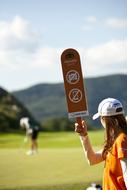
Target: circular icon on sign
x: 72, y: 77
x: 69, y: 56
x: 75, y: 95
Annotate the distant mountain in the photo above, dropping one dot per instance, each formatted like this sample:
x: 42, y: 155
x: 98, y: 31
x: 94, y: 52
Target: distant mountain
x: 48, y: 100
x: 11, y: 110
x: 44, y: 100
x: 107, y: 86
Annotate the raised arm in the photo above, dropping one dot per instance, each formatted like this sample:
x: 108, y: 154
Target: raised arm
x: 91, y: 156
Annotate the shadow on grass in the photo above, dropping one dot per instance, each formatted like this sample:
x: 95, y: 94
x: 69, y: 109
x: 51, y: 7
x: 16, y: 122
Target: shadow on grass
x: 76, y: 186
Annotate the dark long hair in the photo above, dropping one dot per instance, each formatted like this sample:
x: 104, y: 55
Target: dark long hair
x: 114, y: 126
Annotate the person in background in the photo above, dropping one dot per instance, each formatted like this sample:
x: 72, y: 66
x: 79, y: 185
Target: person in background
x: 114, y: 152
x: 94, y: 186
x: 31, y: 133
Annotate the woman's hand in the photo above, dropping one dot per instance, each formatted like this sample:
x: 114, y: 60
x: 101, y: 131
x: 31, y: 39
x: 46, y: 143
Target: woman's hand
x: 81, y: 129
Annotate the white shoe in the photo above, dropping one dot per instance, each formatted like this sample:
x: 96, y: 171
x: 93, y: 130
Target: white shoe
x: 30, y: 152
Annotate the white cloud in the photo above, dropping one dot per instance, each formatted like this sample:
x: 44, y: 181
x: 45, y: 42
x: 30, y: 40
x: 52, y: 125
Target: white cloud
x: 17, y: 34
x: 90, y: 23
x: 110, y: 57
x: 91, y: 19
x: 116, y: 23
x: 20, y: 48
x: 22, y: 54
x: 45, y: 57
x: 113, y: 23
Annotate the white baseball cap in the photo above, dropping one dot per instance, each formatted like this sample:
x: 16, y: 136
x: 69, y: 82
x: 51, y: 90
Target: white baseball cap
x: 109, y: 107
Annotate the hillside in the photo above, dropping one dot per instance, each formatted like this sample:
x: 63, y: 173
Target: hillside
x: 44, y: 100
x: 48, y: 100
x: 11, y: 110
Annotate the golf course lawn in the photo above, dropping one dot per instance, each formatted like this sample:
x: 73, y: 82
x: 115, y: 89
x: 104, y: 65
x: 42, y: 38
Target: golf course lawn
x: 60, y: 163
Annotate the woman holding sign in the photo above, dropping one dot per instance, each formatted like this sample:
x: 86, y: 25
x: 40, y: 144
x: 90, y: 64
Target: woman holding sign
x: 114, y: 153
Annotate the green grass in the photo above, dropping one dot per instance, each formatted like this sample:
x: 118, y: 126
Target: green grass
x: 51, y: 140
x: 59, y: 165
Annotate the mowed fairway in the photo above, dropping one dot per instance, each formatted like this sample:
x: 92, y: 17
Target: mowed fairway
x: 59, y: 164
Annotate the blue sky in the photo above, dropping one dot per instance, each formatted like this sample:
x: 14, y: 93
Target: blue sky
x: 33, y: 34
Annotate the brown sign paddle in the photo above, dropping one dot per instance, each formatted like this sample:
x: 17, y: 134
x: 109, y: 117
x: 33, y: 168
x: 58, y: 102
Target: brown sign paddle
x: 73, y: 83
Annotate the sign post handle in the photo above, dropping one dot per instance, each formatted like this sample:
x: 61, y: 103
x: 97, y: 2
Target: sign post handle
x: 79, y: 121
